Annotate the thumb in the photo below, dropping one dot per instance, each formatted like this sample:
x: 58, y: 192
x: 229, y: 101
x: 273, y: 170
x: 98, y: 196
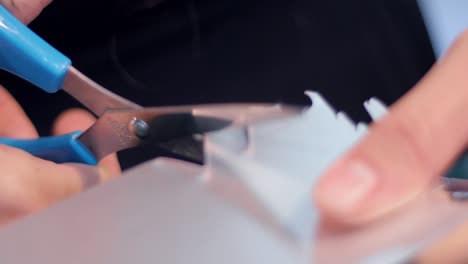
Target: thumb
x: 25, y: 10
x: 404, y: 152
x: 28, y: 184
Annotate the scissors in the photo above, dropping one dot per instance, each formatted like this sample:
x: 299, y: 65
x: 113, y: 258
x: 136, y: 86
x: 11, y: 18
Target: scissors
x: 121, y: 124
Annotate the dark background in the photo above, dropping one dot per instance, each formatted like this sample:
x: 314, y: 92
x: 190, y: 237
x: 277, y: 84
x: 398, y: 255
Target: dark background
x: 202, y: 51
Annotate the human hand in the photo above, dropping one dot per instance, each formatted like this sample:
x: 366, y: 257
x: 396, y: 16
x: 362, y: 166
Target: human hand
x: 25, y: 10
x: 406, y: 151
x: 27, y: 183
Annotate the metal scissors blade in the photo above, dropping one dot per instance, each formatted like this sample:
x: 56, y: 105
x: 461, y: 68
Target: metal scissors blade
x: 179, y: 129
x: 92, y: 95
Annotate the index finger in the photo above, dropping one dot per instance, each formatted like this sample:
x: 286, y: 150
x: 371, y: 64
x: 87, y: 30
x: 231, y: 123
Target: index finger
x: 13, y: 120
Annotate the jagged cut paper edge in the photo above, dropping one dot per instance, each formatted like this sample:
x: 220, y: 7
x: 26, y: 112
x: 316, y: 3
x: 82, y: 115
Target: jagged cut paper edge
x: 285, y: 157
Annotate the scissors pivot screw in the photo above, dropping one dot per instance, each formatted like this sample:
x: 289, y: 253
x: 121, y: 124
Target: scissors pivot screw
x: 139, y: 128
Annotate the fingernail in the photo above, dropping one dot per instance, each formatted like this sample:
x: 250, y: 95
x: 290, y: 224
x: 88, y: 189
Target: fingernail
x: 104, y: 173
x: 346, y: 186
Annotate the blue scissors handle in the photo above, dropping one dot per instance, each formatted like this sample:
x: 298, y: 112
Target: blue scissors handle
x: 59, y: 149
x: 25, y: 54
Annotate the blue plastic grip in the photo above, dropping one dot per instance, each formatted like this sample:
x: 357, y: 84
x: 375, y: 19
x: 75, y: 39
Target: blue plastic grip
x: 26, y: 55
x: 58, y: 149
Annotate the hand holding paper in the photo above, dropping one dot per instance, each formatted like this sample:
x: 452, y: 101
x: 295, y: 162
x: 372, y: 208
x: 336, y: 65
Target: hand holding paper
x: 407, y: 150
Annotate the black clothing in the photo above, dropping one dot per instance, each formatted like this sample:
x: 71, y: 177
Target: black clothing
x: 202, y: 51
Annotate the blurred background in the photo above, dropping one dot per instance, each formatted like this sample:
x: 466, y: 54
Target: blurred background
x: 166, y: 52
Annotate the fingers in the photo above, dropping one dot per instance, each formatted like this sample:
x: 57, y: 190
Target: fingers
x: 25, y: 10
x: 28, y: 184
x: 407, y: 150
x: 13, y: 120
x: 77, y: 119
x: 57, y: 182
